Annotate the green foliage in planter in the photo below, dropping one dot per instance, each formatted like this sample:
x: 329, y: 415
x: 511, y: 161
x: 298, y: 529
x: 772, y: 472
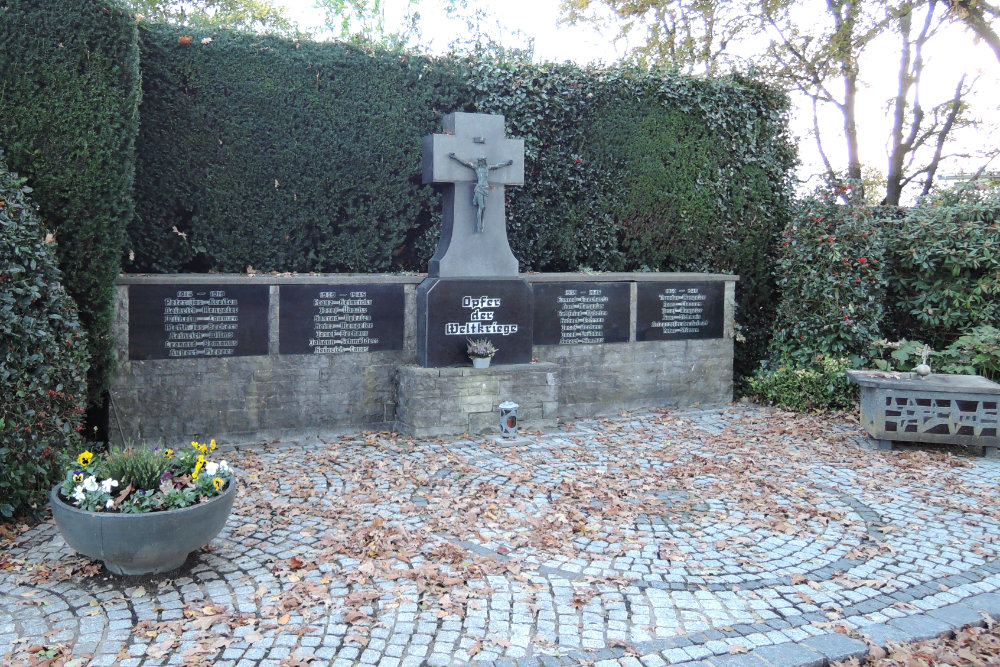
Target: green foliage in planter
x: 819, y: 385
x: 831, y: 275
x: 69, y: 96
x: 975, y: 352
x: 945, y: 258
x: 138, y: 467
x: 43, y: 355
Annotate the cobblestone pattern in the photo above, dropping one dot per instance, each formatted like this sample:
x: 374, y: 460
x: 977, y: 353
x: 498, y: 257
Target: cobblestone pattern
x: 726, y: 584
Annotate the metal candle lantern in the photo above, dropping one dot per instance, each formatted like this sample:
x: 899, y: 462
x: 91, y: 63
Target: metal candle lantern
x: 508, y: 419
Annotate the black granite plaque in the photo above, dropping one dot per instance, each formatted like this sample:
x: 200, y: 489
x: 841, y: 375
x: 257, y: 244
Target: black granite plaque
x: 451, y: 311
x: 680, y: 311
x: 339, y: 319
x: 581, y: 313
x: 185, y: 321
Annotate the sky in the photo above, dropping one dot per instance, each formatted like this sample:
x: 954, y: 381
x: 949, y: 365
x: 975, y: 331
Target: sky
x: 555, y: 41
x: 532, y: 18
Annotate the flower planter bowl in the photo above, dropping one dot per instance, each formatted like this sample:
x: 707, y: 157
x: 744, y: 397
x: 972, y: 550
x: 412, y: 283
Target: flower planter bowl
x: 147, y: 543
x: 481, y: 362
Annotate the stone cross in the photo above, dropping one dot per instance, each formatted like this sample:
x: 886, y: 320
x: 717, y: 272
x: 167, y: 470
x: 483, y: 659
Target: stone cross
x: 476, y: 160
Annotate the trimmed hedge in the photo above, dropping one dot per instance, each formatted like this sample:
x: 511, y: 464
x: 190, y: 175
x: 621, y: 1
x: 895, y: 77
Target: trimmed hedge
x: 285, y: 155
x: 282, y: 155
x: 43, y: 355
x: 627, y: 169
x: 69, y: 76
x: 293, y: 156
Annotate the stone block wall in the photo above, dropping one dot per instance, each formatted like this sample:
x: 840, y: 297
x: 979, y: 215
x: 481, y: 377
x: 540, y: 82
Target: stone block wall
x: 442, y: 401
x: 268, y: 396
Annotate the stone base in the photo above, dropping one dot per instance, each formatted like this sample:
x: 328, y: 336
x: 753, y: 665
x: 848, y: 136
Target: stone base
x: 444, y: 401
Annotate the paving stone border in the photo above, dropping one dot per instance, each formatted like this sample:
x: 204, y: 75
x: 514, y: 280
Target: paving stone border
x: 931, y: 574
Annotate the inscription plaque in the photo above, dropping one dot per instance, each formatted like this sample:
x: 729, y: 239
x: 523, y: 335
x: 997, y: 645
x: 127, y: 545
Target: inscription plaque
x: 581, y: 313
x: 680, y: 311
x: 185, y: 321
x: 340, y: 319
x: 452, y: 311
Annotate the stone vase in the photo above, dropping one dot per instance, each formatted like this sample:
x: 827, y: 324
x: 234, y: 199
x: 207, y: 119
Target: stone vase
x: 147, y: 543
x: 481, y: 362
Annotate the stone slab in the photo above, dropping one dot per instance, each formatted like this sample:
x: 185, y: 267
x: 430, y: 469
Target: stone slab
x: 450, y: 312
x: 790, y: 654
x: 836, y: 646
x: 680, y: 311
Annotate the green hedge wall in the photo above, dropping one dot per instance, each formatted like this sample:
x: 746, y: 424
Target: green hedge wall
x: 285, y: 155
x: 282, y: 155
x: 293, y: 156
x: 69, y: 95
x: 631, y: 170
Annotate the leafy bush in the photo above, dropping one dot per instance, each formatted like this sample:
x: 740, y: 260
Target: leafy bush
x: 69, y: 76
x: 976, y: 352
x: 832, y: 281
x: 821, y: 385
x: 945, y: 260
x: 43, y: 352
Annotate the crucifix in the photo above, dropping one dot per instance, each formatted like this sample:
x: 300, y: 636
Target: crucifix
x: 475, y: 160
x: 482, y: 189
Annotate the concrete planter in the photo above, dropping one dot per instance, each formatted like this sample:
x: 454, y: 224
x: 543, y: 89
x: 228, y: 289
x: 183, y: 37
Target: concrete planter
x: 938, y: 408
x: 148, y: 543
x: 481, y: 362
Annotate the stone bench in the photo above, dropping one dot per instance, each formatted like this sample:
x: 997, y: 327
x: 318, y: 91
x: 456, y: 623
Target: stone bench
x: 938, y: 408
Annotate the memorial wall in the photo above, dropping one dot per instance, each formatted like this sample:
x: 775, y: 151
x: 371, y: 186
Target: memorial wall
x: 203, y: 356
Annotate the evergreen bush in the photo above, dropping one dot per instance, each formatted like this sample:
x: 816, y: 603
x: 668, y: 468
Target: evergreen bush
x: 945, y: 257
x: 832, y: 277
x: 43, y: 352
x: 69, y: 98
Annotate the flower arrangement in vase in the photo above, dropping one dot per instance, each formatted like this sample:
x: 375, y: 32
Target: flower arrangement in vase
x: 481, y: 351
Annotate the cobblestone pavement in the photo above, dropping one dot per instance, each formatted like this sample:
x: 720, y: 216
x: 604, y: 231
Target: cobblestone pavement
x: 727, y: 537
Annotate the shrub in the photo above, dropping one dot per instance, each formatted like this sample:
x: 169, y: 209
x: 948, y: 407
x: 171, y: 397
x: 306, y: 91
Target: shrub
x: 69, y: 99
x: 820, y: 385
x: 44, y: 355
x: 832, y: 281
x: 945, y: 260
x: 975, y: 352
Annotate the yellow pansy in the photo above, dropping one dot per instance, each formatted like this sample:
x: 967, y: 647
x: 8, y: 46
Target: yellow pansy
x: 218, y: 483
x: 78, y: 477
x: 84, y: 459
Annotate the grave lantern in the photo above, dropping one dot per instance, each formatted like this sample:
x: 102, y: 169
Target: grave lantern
x: 508, y: 419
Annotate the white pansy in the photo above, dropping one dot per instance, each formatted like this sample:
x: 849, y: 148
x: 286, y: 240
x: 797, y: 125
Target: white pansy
x: 79, y: 494
x: 211, y: 468
x: 90, y: 484
x: 110, y: 504
x: 223, y: 466
x: 108, y: 484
